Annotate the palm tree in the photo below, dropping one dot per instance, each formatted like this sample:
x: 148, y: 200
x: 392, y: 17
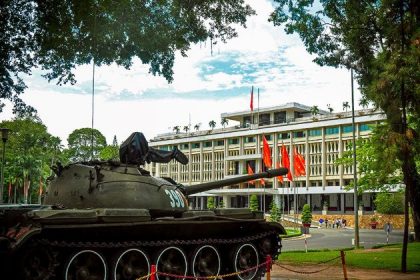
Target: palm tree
x: 186, y: 128
x: 224, y: 122
x: 314, y: 110
x: 212, y: 124
x: 364, y: 102
x: 197, y: 126
x: 330, y: 108
x: 346, y: 105
x: 176, y: 129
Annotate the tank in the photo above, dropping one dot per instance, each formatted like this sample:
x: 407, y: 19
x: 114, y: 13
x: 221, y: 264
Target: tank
x: 114, y: 220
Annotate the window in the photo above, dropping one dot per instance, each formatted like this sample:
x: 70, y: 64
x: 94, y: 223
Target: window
x: 347, y: 129
x: 267, y: 137
x: 364, y: 127
x: 264, y: 119
x: 250, y: 139
x: 284, y: 135
x: 298, y: 115
x: 220, y: 143
x: 233, y: 141
x: 299, y: 134
x: 315, y: 132
x: 246, y: 121
x: 195, y: 145
x: 185, y: 146
x: 279, y: 117
x: 331, y: 130
x: 165, y: 148
x: 207, y: 144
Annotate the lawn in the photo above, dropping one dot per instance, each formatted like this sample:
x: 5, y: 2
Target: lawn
x: 387, y: 257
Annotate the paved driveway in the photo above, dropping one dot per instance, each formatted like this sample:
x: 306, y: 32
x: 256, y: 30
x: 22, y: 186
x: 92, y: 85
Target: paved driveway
x: 321, y: 238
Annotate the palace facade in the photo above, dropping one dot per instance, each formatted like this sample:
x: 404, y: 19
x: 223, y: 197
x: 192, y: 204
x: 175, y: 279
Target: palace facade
x: 226, y: 152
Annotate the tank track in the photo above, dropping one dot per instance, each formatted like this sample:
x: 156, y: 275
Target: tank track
x: 60, y: 250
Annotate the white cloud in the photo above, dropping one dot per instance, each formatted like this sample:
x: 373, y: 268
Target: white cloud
x: 275, y: 62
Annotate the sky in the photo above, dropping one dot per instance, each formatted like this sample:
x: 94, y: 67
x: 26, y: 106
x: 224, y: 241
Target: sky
x: 206, y: 84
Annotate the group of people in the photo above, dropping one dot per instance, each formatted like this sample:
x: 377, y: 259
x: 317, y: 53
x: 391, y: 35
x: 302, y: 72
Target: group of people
x: 336, y: 223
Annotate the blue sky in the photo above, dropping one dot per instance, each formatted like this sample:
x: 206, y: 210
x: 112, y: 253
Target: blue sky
x: 205, y: 85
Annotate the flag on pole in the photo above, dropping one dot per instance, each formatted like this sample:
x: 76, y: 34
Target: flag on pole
x: 279, y: 178
x: 266, y: 153
x: 286, y: 162
x: 299, y: 163
x: 251, y: 104
x: 250, y: 172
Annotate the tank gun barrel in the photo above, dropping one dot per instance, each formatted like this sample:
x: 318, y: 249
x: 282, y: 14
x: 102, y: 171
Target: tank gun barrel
x: 236, y: 180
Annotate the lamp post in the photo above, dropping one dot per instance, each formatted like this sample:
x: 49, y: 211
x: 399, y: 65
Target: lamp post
x: 4, y: 137
x: 356, y: 202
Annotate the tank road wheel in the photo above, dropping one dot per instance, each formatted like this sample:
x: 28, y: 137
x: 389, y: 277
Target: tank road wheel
x: 245, y: 258
x: 36, y: 263
x: 131, y: 264
x: 171, y: 260
x: 206, y: 262
x: 86, y: 265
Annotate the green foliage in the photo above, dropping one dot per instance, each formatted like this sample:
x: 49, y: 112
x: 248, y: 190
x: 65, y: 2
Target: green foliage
x: 210, y: 203
x: 30, y: 151
x: 378, y: 166
x: 275, y: 214
x: 111, y: 152
x: 221, y: 204
x: 224, y: 122
x: 81, y: 147
x: 212, y: 124
x: 253, y: 203
x: 379, y: 41
x: 60, y: 35
x: 390, y: 203
x: 306, y: 214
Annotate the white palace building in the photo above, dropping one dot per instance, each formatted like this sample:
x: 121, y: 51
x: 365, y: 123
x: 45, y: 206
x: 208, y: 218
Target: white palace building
x: 226, y: 152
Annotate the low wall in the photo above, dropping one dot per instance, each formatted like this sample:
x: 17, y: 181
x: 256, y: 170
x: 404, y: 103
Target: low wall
x: 397, y: 221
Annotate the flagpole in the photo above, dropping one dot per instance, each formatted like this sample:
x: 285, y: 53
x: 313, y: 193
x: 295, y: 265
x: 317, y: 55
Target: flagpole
x: 258, y: 112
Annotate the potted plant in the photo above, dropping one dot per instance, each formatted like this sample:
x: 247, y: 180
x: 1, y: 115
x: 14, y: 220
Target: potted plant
x: 306, y: 217
x: 373, y: 222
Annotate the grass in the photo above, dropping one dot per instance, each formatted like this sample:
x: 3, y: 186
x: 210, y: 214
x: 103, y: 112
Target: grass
x: 385, y: 258
x: 291, y: 232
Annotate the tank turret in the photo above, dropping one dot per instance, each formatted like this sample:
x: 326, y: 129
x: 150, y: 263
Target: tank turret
x: 112, y: 220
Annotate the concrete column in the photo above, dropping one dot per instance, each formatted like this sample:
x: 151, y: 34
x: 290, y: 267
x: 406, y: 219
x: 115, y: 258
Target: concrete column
x: 226, y: 201
x: 323, y: 160
x: 202, y: 206
x: 342, y: 206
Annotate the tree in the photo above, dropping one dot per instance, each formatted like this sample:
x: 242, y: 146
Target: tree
x: 378, y: 166
x: 314, y: 110
x: 364, y: 102
x: 85, y: 144
x: 253, y: 203
x: 212, y: 124
x: 306, y: 214
x: 210, y: 203
x: 389, y: 203
x: 29, y: 151
x: 224, y: 122
x: 221, y: 204
x: 60, y: 35
x: 274, y: 212
x: 176, y: 129
x: 379, y: 41
x: 346, y: 106
x: 330, y: 108
x: 197, y: 126
x: 111, y: 152
x: 186, y: 128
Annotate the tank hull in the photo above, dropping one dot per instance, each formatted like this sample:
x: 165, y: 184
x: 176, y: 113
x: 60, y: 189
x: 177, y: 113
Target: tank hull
x: 56, y: 241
